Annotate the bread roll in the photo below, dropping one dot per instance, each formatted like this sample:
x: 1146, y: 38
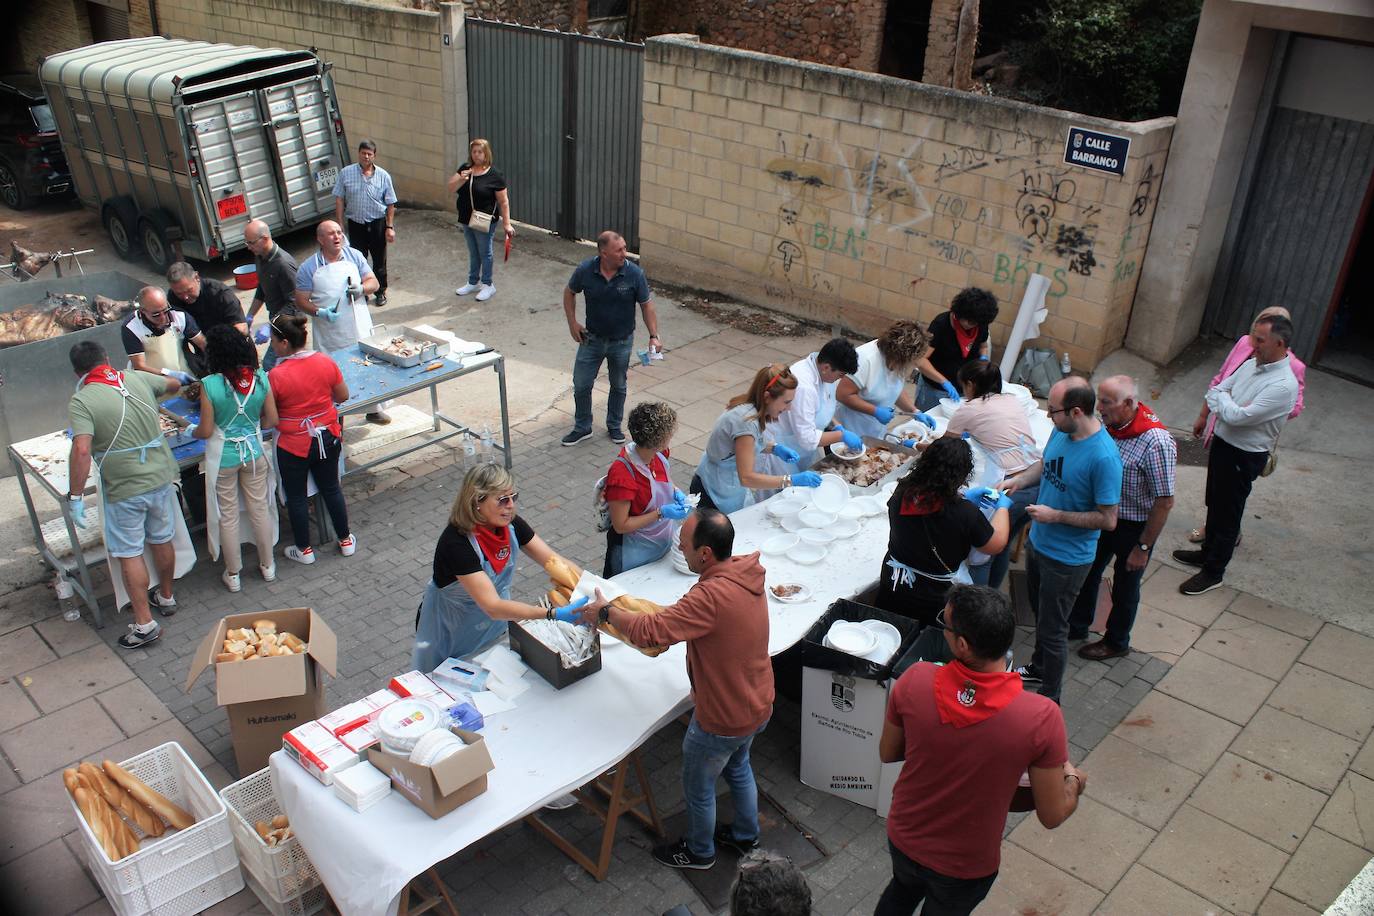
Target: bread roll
x: 280, y: 821
x: 228, y: 657
x: 155, y: 801
x: 264, y: 830
x: 122, y: 801
x: 291, y: 641
x: 562, y: 572
x: 263, y: 627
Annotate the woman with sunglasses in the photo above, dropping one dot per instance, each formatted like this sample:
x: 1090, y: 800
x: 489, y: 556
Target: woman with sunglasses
x: 307, y: 385
x: 728, y: 473
x: 467, y: 601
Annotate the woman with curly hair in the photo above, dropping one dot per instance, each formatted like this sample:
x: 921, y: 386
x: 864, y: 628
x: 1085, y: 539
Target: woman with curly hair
x: 639, y: 492
x: 866, y: 399
x: 728, y: 473
x: 236, y: 404
x: 957, y: 337
x: 932, y: 528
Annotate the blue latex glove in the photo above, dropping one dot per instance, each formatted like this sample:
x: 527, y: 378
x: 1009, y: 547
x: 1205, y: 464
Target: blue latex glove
x: 679, y: 497
x: 78, y: 507
x: 675, y: 511
x: 883, y: 415
x: 850, y: 440
x: 951, y: 391
x: 785, y: 453
x: 570, y: 612
x: 926, y: 418
x: 977, y: 495
x: 184, y: 378
x: 908, y: 443
x: 806, y: 479
x: 1003, y: 501
x: 983, y: 357
x: 330, y: 314
x: 262, y: 335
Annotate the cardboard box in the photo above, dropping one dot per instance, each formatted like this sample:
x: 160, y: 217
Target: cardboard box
x: 440, y: 789
x: 548, y: 662
x: 267, y: 697
x: 320, y: 753
x: 415, y: 684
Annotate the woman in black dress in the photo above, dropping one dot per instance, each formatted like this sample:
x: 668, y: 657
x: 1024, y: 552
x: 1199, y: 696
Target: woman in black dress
x: 480, y: 189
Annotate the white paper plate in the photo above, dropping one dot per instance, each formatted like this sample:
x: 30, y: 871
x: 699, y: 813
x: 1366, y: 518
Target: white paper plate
x: 846, y: 528
x: 792, y: 522
x: 813, y: 517
x: 870, y: 505
x: 832, y: 494
x: 821, y: 536
x: 803, y: 595
x: 780, y: 505
x: 780, y: 543
x: 850, y: 638
x: 840, y: 451
x: 853, y: 510
x: 807, y: 554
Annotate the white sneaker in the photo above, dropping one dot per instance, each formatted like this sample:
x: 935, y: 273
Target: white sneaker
x: 466, y: 288
x: 348, y: 545
x: 269, y: 573
x: 231, y: 581
x: 486, y: 293
x: 306, y: 556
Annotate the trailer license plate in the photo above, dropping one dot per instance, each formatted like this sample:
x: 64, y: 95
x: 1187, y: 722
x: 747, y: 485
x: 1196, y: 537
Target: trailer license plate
x: 231, y: 206
x: 326, y: 178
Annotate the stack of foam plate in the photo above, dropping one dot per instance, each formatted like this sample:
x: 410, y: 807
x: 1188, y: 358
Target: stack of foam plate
x: 888, y: 637
x: 1023, y: 396
x: 679, y: 561
x: 782, y: 507
x: 850, y: 638
x: 831, y: 495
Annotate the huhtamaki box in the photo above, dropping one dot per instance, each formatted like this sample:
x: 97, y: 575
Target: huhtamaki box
x: 267, y: 697
x: 437, y: 790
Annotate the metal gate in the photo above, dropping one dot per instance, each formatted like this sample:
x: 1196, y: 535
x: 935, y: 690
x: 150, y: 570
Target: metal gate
x: 562, y: 112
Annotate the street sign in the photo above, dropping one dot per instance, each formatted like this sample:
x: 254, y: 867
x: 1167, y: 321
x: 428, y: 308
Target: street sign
x: 1100, y: 152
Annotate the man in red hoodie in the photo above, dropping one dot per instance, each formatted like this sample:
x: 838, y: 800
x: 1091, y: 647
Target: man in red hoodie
x: 724, y: 621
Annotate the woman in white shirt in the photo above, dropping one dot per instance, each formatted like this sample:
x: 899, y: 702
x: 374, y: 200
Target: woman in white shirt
x: 867, y: 397
x: 805, y: 427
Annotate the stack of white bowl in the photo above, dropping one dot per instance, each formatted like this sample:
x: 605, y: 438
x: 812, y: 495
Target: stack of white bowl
x: 873, y: 640
x: 1023, y: 395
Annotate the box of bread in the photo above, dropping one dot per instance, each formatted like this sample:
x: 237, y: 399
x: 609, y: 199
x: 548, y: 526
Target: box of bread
x: 267, y: 676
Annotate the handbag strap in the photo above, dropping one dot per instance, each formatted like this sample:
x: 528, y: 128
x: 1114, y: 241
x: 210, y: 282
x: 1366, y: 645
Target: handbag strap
x: 472, y: 201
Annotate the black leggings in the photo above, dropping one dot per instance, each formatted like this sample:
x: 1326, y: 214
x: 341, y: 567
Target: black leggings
x: 295, y: 470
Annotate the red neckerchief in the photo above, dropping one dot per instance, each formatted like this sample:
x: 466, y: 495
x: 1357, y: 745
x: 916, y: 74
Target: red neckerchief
x: 242, y: 379
x: 1143, y: 421
x: 966, y: 697
x: 104, y: 375
x: 964, y: 338
x: 917, y: 504
x: 495, y: 544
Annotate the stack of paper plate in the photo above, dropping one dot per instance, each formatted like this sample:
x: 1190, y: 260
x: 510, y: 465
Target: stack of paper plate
x: 850, y: 638
x: 832, y: 494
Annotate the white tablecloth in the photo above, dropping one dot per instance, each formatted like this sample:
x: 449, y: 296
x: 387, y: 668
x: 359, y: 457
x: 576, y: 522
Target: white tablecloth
x: 554, y: 740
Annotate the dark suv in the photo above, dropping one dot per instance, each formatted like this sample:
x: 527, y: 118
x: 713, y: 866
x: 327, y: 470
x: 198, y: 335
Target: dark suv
x: 31, y: 162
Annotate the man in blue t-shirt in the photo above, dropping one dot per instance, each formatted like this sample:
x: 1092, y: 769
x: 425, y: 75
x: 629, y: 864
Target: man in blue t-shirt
x: 1080, y: 487
x: 612, y: 286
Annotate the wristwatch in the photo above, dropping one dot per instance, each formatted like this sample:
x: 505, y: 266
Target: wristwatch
x: 604, y: 615
x: 1145, y: 547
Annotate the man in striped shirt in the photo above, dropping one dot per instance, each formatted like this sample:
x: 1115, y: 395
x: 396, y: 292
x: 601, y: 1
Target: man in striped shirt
x: 1148, y: 458
x: 364, y: 193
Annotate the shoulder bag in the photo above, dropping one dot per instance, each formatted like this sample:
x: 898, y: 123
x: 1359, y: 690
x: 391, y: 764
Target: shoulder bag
x: 477, y: 221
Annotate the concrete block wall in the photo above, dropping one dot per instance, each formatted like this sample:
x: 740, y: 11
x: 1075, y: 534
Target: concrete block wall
x: 859, y: 199
x: 387, y: 69
x: 42, y: 27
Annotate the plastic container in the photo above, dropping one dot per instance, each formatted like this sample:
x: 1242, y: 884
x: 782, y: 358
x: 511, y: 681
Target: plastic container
x: 312, y: 901
x: 779, y: 543
x: 246, y: 277
x: 183, y: 871
x: 405, y: 722
x: 284, y: 870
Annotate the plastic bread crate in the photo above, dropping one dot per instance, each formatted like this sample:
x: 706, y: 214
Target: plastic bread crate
x: 183, y: 871
x: 311, y: 901
x: 283, y: 871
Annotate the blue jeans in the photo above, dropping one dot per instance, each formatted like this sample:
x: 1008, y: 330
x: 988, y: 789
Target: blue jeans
x: 1113, y: 547
x: 1053, y: 588
x: 928, y: 395
x: 590, y: 353
x: 479, y: 254
x: 704, y: 757
x: 993, y: 572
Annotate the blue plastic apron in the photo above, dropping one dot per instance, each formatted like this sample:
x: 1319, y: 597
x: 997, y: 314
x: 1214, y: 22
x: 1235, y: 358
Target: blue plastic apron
x: 721, y: 480
x: 652, y: 541
x: 451, y: 625
x: 882, y: 392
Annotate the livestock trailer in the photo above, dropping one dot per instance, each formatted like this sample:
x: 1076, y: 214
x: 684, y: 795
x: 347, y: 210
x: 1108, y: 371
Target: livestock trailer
x: 178, y: 144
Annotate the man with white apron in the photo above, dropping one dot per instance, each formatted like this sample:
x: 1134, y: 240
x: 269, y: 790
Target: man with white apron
x: 803, y: 428
x: 332, y: 285
x: 645, y: 545
x: 877, y: 385
x: 155, y: 337
x: 114, y: 421
x: 450, y: 624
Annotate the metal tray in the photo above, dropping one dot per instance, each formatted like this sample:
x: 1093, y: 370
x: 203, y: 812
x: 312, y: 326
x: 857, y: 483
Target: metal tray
x: 184, y: 429
x: 836, y: 465
x: 375, y: 345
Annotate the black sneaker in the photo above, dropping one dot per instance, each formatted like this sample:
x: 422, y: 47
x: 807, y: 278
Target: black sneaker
x: 1200, y: 583
x: 575, y: 437
x: 1190, y: 557
x: 617, y: 437
x: 1029, y: 674
x: 677, y: 855
x: 136, y: 640
x: 164, y: 606
x: 725, y: 836
x: 380, y: 298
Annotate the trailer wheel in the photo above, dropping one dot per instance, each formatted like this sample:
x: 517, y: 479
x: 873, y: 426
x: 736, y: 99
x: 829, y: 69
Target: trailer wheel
x: 121, y: 222
x: 156, y: 233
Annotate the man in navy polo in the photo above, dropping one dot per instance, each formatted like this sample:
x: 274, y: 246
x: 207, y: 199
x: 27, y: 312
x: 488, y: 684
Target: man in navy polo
x: 611, y: 286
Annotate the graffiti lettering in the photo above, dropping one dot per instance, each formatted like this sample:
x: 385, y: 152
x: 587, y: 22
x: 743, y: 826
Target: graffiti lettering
x: 1042, y: 191
x: 1143, y: 188
x: 1019, y: 273
x: 1124, y: 270
x: 959, y: 161
x: 828, y: 238
x: 956, y: 254
x: 1076, y: 244
x: 960, y: 210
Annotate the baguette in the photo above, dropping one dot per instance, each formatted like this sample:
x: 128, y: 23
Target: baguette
x: 636, y: 605
x: 556, y: 598
x: 122, y: 801
x: 562, y: 572
x: 113, y: 835
x: 71, y: 780
x: 612, y: 630
x: 155, y: 801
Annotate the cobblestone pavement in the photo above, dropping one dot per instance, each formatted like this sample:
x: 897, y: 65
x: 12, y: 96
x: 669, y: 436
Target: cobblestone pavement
x: 1253, y: 715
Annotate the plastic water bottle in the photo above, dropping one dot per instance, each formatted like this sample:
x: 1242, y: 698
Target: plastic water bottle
x: 485, y: 442
x: 469, y: 445
x: 1064, y: 365
x: 71, y: 611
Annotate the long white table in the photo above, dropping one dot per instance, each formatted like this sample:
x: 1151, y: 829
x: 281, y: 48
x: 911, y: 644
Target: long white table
x: 554, y: 740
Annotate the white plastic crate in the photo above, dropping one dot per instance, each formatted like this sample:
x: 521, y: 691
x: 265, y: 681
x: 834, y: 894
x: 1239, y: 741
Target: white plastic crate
x: 284, y: 870
x: 304, y: 904
x: 183, y: 871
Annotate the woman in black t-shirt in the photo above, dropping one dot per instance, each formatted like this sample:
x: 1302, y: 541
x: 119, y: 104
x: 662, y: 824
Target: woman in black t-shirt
x: 932, y: 530
x: 467, y: 601
x: 479, y: 187
x: 957, y: 336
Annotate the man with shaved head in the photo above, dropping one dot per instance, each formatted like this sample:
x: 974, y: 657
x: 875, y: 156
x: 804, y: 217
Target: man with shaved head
x: 1080, y: 487
x: 1148, y: 457
x: 155, y: 336
x: 276, y: 279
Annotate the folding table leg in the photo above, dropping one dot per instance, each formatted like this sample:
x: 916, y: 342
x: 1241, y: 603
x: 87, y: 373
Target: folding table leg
x: 426, y: 901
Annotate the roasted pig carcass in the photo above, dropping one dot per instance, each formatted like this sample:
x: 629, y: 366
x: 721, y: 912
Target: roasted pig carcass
x: 57, y: 314
x: 26, y: 264
x: 109, y: 310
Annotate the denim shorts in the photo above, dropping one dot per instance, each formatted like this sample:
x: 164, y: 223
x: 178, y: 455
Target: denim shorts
x: 131, y: 523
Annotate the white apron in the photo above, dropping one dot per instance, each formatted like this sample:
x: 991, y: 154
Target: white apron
x: 882, y: 392
x: 652, y: 541
x: 214, y: 451
x: 354, y: 321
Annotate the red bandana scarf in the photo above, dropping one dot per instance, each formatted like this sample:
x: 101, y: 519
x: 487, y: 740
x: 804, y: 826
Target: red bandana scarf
x: 920, y: 504
x: 1143, y: 421
x: 242, y: 379
x: 966, y: 697
x: 964, y: 338
x: 495, y: 544
x: 104, y: 375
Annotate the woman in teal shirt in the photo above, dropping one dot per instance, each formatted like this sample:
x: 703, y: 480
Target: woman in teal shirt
x: 236, y: 404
